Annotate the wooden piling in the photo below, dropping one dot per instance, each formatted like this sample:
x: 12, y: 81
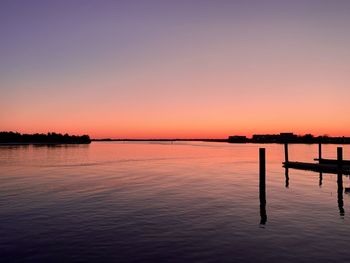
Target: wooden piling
x: 286, y: 152
x: 319, y: 152
x: 262, y: 170
x: 262, y: 185
x: 340, y: 156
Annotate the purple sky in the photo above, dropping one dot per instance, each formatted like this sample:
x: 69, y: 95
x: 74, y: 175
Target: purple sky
x: 175, y: 68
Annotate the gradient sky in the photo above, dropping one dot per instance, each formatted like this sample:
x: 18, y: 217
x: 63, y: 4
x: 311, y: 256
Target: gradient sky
x: 181, y: 68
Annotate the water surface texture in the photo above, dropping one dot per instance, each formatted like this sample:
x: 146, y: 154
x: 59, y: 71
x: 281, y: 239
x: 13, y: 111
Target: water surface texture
x: 164, y: 202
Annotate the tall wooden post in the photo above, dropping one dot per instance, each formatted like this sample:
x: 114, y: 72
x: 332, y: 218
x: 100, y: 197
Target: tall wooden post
x: 286, y: 152
x: 262, y: 170
x: 262, y: 185
x: 340, y: 156
x: 319, y: 152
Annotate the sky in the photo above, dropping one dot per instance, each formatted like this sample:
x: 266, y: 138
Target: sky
x: 175, y: 69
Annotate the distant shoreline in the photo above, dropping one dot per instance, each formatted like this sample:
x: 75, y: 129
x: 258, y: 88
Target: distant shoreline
x: 157, y: 140
x: 209, y: 140
x: 51, y: 138
x: 39, y: 143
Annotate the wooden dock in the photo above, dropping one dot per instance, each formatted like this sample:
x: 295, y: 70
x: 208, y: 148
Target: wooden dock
x: 319, y: 167
x: 334, y: 166
x: 332, y: 161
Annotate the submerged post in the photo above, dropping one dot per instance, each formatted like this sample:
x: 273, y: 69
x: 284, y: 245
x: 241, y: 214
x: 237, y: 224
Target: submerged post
x: 262, y: 185
x: 286, y: 152
x: 319, y: 152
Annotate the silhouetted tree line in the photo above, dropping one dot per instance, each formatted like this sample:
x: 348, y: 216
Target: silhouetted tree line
x: 51, y: 137
x: 288, y: 138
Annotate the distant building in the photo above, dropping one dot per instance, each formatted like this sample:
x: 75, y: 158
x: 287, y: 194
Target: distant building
x: 275, y: 138
x: 287, y: 134
x: 237, y: 139
x: 265, y: 138
x: 288, y: 137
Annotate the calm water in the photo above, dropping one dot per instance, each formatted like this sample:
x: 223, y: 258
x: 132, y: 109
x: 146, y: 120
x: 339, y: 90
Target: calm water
x: 162, y: 202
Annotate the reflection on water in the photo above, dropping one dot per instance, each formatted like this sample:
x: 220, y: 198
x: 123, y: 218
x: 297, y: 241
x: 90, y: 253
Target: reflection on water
x: 340, y: 194
x: 186, y: 201
x: 287, y: 177
x: 262, y: 197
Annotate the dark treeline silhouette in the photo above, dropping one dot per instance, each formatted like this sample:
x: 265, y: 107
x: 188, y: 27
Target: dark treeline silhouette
x: 288, y: 138
x: 49, y: 138
x: 158, y: 140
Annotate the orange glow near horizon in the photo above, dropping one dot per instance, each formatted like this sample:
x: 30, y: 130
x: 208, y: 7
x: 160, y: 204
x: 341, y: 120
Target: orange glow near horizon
x: 182, y: 72
x: 169, y: 133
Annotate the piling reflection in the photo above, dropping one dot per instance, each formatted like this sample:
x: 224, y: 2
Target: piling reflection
x: 287, y: 177
x: 335, y: 166
x: 262, y: 198
x: 340, y: 191
x: 340, y: 194
x: 263, y: 215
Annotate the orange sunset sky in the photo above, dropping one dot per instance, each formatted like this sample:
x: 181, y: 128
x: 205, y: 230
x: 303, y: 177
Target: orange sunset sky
x: 175, y: 69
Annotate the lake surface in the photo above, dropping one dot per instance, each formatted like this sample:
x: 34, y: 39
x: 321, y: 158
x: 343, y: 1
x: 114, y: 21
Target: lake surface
x: 163, y: 202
